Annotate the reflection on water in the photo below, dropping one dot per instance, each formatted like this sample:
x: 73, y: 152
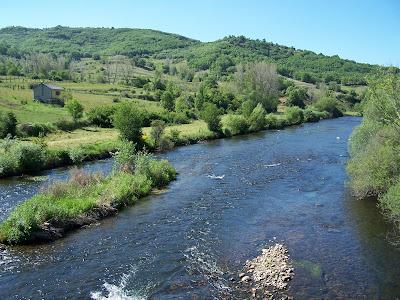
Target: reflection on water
x: 232, y: 198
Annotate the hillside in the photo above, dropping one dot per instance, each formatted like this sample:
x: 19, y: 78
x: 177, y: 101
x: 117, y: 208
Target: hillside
x: 221, y: 55
x: 89, y: 41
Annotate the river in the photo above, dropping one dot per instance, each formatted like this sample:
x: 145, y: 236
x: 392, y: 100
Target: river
x: 186, y: 243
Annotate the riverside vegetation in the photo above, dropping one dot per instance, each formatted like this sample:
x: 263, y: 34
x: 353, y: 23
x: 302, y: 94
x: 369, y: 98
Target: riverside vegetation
x: 86, y: 197
x: 189, y: 90
x: 374, y: 166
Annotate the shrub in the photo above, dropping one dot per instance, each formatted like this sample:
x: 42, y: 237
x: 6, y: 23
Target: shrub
x: 294, y: 115
x: 330, y: 105
x: 257, y: 118
x: 234, y: 124
x: 8, y: 124
x: 161, y: 142
x: 375, y: 162
x: 67, y: 125
x: 128, y: 119
x: 212, y: 116
x: 168, y: 101
x: 75, y: 109
x: 8, y: 165
x: 274, y: 122
x: 296, y: 96
x: 179, y: 118
x: 102, y: 116
x: 390, y: 203
x: 165, y: 144
x: 157, y: 130
x: 311, y: 116
x: 35, y: 129
x: 160, y: 172
x: 174, y: 135
x: 125, y: 157
x: 27, y: 157
x: 77, y: 155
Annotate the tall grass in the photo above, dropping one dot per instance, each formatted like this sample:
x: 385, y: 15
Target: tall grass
x: 63, y: 202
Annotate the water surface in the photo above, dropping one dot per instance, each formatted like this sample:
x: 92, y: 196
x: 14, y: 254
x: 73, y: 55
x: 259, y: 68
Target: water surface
x: 279, y: 186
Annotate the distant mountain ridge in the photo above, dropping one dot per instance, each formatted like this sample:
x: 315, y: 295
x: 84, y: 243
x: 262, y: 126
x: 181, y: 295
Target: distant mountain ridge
x: 224, y: 53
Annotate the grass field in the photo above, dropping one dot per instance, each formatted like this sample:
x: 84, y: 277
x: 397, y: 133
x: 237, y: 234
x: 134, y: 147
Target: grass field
x: 18, y: 98
x: 95, y: 135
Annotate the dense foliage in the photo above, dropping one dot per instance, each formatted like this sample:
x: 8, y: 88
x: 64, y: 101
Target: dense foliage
x: 8, y: 124
x: 375, y: 146
x: 128, y: 119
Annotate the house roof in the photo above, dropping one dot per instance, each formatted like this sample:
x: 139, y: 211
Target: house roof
x: 53, y: 87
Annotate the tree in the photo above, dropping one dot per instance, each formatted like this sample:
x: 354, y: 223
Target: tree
x: 328, y: 104
x: 8, y: 124
x: 383, y: 101
x: 128, y: 119
x: 168, y: 97
x: 157, y: 131
x: 257, y: 118
x: 212, y: 116
x: 75, y: 109
x: 168, y: 101
x: 296, y: 96
x: 259, y: 82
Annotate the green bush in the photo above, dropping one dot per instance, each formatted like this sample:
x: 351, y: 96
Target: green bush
x: 212, y: 116
x: 274, y: 122
x: 75, y: 109
x: 311, y: 116
x: 35, y: 129
x: 8, y: 165
x: 179, y: 117
x: 294, y: 115
x: 67, y: 125
x: 296, y: 96
x: 30, y: 157
x: 375, y: 163
x: 330, y: 105
x: 102, y: 116
x: 257, y: 118
x: 77, y: 155
x: 390, y: 203
x: 8, y: 124
x: 161, y: 142
x: 128, y: 119
x: 234, y: 124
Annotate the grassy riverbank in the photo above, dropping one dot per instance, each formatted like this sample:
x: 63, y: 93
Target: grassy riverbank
x: 83, y: 199
x: 27, y: 156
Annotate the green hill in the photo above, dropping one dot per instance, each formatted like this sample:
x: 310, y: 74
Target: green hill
x: 89, y: 41
x: 220, y: 56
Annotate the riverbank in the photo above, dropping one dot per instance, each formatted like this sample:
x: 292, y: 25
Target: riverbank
x: 83, y: 199
x: 92, y: 143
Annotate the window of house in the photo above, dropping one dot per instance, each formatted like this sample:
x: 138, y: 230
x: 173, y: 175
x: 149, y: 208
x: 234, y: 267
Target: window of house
x: 57, y: 93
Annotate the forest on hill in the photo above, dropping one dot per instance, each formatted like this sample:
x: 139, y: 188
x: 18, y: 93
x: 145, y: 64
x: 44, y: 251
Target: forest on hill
x: 18, y: 44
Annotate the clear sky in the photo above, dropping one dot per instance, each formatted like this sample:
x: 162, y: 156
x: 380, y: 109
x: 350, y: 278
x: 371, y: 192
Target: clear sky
x: 363, y: 30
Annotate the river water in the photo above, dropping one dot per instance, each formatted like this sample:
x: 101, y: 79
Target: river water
x: 186, y: 243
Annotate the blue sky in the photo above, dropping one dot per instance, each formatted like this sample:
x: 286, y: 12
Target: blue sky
x: 366, y: 31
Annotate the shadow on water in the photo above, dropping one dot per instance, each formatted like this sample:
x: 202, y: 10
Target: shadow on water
x: 232, y: 198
